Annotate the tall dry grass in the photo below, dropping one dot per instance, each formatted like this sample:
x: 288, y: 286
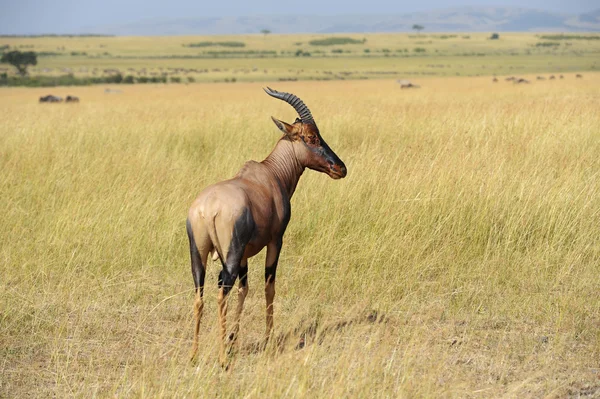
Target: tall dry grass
x: 459, y: 258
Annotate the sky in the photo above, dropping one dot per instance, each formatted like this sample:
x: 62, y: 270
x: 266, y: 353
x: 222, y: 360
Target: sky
x: 74, y: 16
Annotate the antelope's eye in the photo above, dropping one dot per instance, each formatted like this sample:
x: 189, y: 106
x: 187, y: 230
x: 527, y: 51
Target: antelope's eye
x: 312, y: 140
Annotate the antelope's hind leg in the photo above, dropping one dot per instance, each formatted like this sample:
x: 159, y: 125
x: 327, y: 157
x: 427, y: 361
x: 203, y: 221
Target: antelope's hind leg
x: 198, y: 258
x: 234, y: 265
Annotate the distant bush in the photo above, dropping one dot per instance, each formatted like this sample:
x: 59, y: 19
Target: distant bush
x: 547, y: 44
x: 129, y: 79
x: 48, y: 54
x: 175, y: 79
x: 419, y: 50
x: 367, y: 50
x: 495, y: 36
x: 230, y: 53
x: 20, y: 60
x: 333, y: 41
x: 191, y: 79
x: 214, y: 44
x: 116, y: 78
x: 337, y: 50
x: 75, y: 53
x: 570, y: 37
x: 301, y: 53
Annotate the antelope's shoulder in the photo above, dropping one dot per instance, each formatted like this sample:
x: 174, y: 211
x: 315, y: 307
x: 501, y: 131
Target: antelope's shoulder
x: 251, y: 169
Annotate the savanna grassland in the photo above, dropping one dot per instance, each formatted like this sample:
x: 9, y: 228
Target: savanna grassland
x: 459, y: 258
x: 274, y: 57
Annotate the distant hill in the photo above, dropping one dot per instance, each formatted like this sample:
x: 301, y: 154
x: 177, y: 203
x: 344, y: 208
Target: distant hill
x: 462, y: 19
x: 589, y: 20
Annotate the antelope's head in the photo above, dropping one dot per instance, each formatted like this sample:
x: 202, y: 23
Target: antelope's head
x: 310, y: 148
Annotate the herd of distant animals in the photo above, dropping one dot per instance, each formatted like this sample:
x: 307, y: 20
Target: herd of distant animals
x: 407, y: 84
x: 523, y: 80
x: 56, y: 99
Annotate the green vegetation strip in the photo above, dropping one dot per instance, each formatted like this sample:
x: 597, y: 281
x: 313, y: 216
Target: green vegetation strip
x: 70, y: 80
x: 332, y: 41
x: 570, y: 37
x: 216, y: 44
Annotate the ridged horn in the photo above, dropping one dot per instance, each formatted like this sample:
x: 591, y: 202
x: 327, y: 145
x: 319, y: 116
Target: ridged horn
x: 294, y: 101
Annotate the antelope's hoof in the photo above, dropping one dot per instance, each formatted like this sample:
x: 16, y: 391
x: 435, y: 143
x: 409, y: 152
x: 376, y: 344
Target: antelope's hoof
x: 226, y: 362
x: 194, y: 355
x: 233, y: 337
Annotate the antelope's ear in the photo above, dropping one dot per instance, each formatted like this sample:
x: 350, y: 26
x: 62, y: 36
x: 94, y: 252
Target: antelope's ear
x: 284, y: 127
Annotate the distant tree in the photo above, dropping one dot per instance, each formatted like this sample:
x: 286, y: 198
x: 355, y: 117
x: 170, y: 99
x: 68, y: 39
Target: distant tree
x: 418, y: 28
x: 495, y: 36
x: 20, y: 60
x: 265, y: 32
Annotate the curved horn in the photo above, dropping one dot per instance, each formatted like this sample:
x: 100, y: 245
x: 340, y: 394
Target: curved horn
x: 294, y: 101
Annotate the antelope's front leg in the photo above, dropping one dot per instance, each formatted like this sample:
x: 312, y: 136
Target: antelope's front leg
x: 273, y: 250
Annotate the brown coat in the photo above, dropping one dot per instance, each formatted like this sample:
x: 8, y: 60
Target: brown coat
x: 236, y: 218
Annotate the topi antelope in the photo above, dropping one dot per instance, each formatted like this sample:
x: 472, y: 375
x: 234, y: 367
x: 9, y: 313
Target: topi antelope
x: 235, y: 219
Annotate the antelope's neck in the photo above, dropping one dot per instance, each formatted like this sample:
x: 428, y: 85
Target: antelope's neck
x: 285, y: 166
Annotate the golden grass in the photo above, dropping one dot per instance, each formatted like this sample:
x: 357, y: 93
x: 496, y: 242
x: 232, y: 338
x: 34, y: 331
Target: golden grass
x: 468, y: 221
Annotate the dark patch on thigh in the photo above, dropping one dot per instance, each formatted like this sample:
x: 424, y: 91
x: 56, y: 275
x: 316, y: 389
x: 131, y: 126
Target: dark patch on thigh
x: 198, y: 271
x: 243, y: 231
